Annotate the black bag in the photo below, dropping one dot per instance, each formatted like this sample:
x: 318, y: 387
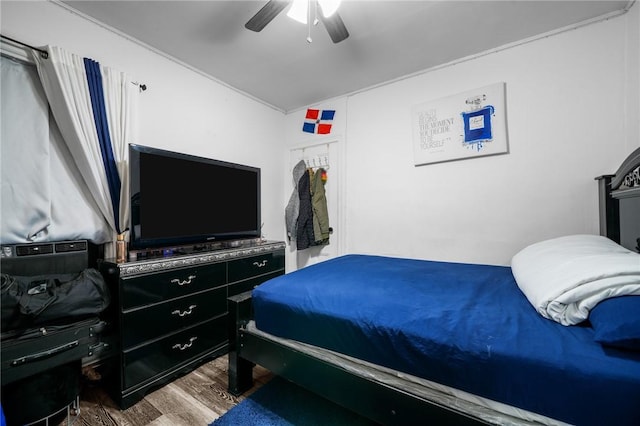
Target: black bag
x: 29, y: 301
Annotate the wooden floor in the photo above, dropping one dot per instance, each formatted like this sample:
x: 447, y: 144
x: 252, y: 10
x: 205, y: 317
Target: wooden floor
x: 195, y: 399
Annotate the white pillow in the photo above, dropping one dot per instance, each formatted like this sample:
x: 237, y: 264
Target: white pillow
x: 563, y: 278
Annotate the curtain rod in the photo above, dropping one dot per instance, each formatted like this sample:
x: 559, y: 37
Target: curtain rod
x: 45, y: 55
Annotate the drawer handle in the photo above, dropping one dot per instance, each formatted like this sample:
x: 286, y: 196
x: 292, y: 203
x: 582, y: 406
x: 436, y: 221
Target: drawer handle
x: 187, y: 281
x: 185, y: 346
x: 261, y: 264
x: 183, y: 313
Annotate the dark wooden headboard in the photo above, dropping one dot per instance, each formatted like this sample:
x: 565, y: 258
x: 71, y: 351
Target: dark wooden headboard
x: 619, y: 196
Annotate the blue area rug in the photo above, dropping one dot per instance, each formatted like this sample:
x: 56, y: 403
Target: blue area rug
x: 280, y: 402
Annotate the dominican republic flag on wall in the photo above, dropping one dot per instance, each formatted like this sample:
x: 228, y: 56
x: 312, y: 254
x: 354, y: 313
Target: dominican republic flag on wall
x: 318, y: 121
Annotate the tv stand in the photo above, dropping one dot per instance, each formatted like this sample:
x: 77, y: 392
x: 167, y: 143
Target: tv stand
x: 172, y: 310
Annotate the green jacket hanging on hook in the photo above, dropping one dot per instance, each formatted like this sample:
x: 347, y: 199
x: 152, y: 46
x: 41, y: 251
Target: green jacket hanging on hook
x: 321, y: 229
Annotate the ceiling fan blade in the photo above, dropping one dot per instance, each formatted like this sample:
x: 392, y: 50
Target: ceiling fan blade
x: 335, y: 27
x: 265, y: 15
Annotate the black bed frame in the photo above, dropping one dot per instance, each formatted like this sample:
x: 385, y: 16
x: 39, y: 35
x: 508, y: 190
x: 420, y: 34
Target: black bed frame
x: 370, y: 399
x: 619, y: 197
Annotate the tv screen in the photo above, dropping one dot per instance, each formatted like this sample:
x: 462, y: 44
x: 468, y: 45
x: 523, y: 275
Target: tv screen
x: 182, y: 199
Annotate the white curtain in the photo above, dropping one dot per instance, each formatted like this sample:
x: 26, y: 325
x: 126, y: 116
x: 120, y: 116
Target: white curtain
x: 64, y: 79
x: 24, y: 155
x: 121, y: 103
x: 44, y: 198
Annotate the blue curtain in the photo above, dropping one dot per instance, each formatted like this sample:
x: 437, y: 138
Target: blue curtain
x: 94, y: 77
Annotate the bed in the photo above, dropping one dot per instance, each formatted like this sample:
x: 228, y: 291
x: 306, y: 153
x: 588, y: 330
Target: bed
x: 552, y: 339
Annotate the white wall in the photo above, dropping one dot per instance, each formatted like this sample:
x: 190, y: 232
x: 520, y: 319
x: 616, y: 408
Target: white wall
x: 573, y: 104
x: 572, y: 115
x: 632, y: 45
x: 181, y: 109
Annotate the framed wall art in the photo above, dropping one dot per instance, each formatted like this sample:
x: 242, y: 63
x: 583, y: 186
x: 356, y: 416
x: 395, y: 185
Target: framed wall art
x: 467, y: 125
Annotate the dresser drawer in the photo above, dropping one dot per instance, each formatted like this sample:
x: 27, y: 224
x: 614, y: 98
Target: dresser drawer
x: 250, y: 284
x: 147, y: 361
x: 240, y: 269
x: 154, y: 321
x: 157, y: 287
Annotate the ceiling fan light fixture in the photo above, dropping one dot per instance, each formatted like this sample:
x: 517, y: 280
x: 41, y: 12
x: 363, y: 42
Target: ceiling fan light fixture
x: 299, y: 10
x: 329, y: 7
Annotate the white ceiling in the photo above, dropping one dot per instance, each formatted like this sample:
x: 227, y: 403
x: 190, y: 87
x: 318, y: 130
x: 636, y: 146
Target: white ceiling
x: 388, y: 39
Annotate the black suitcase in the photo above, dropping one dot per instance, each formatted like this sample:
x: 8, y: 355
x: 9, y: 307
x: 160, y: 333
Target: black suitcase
x: 29, y: 352
x: 44, y: 399
x: 42, y: 358
x: 41, y: 368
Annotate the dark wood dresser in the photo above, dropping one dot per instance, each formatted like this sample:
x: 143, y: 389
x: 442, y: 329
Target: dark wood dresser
x: 172, y: 312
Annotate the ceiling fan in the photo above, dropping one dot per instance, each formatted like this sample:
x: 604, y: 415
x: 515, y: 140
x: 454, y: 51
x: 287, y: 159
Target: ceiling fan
x: 299, y: 11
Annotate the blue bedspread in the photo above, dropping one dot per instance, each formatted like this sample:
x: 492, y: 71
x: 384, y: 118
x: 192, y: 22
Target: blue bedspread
x: 467, y: 326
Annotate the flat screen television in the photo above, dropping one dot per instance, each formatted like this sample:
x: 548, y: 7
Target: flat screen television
x: 179, y: 199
